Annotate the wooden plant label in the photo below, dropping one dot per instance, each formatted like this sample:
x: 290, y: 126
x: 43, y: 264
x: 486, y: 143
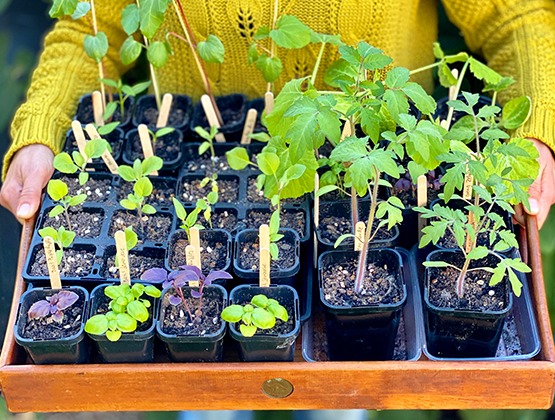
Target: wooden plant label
x: 164, y: 113
x: 211, y: 116
x: 346, y: 130
x: 79, y: 135
x: 422, y: 200
x: 190, y: 256
x: 123, y: 257
x: 316, y: 200
x: 268, y: 102
x: 360, y: 231
x: 146, y: 143
x: 195, y: 241
x: 250, y: 122
x: 443, y: 123
x: 453, y: 89
x: 52, y: 263
x: 106, y: 156
x: 467, y: 187
x: 98, y: 108
x: 265, y: 256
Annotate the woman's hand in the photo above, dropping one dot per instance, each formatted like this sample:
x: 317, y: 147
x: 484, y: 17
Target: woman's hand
x: 29, y: 172
x: 542, y: 191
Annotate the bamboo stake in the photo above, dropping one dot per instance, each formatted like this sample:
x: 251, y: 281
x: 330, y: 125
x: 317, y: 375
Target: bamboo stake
x: 164, y: 113
x: 268, y: 102
x: 106, y: 156
x: 316, y: 216
x: 146, y: 143
x: 422, y: 200
x: 264, y: 243
x: 195, y: 241
x: 210, y: 112
x: 467, y: 195
x: 123, y: 257
x: 79, y: 138
x: 98, y: 108
x: 190, y: 252
x: 250, y: 122
x: 52, y: 263
x: 100, y: 68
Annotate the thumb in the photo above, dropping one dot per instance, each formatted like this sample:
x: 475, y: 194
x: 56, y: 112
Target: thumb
x: 29, y: 198
x: 534, y: 199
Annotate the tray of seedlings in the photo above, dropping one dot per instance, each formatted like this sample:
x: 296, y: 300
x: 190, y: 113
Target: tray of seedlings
x: 248, y: 253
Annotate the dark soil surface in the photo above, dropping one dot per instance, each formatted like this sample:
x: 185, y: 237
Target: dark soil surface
x: 221, y: 219
x: 254, y: 195
x: 85, y: 113
x: 102, y: 308
x: 204, y: 164
x: 477, y: 294
x: 85, y: 224
x: 48, y: 329
x: 228, y: 190
x: 334, y: 196
x: 155, y: 227
x: 162, y: 193
x: 97, y: 190
x: 409, y: 197
x: 176, y: 319
x: 281, y: 328
x: 325, y: 151
x: 166, y: 147
x: 332, y: 227
x: 290, y: 218
x: 381, y: 286
x: 213, y: 253
x: 449, y: 241
x: 176, y: 117
x: 138, y: 264
x: 75, y: 263
x: 229, y: 116
x: 250, y: 256
x: 509, y: 345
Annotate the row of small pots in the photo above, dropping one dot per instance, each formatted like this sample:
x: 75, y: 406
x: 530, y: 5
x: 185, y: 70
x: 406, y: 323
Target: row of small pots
x: 138, y: 347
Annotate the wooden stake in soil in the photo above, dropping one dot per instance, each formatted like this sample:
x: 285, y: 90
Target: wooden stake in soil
x: 164, y: 113
x: 422, y: 200
x: 98, y: 108
x: 106, y: 156
x: 146, y: 143
x: 316, y: 216
x: 467, y: 195
x: 211, y: 116
x: 123, y: 257
x: 346, y: 130
x: 195, y: 241
x: 79, y: 135
x: 360, y: 231
x: 190, y: 256
x: 52, y: 263
x: 268, y: 102
x: 250, y: 122
x: 265, y: 256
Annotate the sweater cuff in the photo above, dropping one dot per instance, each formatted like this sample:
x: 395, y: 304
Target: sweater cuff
x: 540, y: 125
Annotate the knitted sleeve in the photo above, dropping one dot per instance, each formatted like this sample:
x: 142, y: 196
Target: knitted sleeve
x: 517, y: 38
x: 63, y: 75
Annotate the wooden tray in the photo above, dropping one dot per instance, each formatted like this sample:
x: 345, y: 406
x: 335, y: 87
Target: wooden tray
x: 324, y: 385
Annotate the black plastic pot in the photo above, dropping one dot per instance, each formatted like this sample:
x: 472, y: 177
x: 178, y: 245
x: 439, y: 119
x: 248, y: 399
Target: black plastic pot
x: 267, y: 348
x: 85, y: 103
x: 157, y: 254
x: 67, y: 350
x: 462, y: 333
x: 234, y: 105
x: 259, y: 104
x: 207, y: 236
x: 362, y: 332
x: 193, y: 163
x: 189, y: 348
x: 283, y: 277
x: 116, y: 139
x: 181, y: 103
x: 130, y: 348
x: 133, y: 150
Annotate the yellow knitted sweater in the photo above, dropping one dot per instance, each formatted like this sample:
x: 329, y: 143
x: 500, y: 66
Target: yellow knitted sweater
x: 517, y: 37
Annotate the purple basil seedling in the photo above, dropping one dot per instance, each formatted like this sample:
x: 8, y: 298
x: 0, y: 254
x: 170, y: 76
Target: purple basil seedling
x: 53, y: 305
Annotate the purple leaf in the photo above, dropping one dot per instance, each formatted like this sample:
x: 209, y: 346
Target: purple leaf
x: 166, y: 284
x: 155, y: 275
x: 58, y: 316
x: 66, y: 299
x: 195, y: 294
x: 181, y: 280
x: 53, y: 309
x: 403, y: 184
x: 173, y: 275
x: 190, y: 275
x: 39, y: 309
x: 217, y: 275
x: 194, y: 269
x: 174, y: 300
x: 431, y: 175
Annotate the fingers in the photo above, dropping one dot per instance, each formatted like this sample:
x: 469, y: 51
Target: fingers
x: 29, y: 198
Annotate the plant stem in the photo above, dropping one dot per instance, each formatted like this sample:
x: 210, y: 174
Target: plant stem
x: 272, y: 43
x: 212, y: 151
x: 66, y: 211
x: 462, y: 276
x: 430, y: 66
x: 180, y: 293
x: 457, y: 90
x: 100, y: 68
x: 317, y: 65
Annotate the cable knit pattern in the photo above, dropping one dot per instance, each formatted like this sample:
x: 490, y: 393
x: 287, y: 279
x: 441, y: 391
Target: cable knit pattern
x: 517, y: 37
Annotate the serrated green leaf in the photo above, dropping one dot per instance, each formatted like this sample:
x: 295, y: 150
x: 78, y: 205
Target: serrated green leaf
x: 424, y: 102
x: 397, y: 77
x: 483, y: 72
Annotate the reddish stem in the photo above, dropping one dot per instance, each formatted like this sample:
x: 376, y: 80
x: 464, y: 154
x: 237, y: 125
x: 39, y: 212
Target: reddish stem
x: 180, y: 293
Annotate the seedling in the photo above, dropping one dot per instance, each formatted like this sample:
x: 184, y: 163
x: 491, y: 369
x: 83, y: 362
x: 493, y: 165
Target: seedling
x: 187, y: 220
x: 275, y: 236
x: 205, y: 204
x: 126, y: 308
x: 62, y: 237
x: 131, y: 240
x: 58, y: 192
x: 261, y: 313
x: 67, y: 164
x: 53, y: 305
x: 160, y: 133
x: 180, y: 278
x: 124, y: 92
x: 208, y: 143
x: 142, y: 187
x: 405, y: 184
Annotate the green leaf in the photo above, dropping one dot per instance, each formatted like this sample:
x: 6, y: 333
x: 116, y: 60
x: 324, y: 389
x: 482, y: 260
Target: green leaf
x: 130, y: 19
x: 63, y: 163
x: 263, y: 32
x: 295, y: 171
x: 56, y: 189
x: 49, y: 231
x: 252, y: 55
x: 148, y: 209
x: 125, y: 322
x: 152, y: 291
x: 278, y: 311
x: 143, y: 187
x: 435, y: 264
x: 76, y: 200
x: 66, y: 237
x: 212, y: 50
x: 247, y: 330
x: 113, y: 335
x: 96, y: 47
x: 290, y: 33
x: 97, y: 324
x: 151, y: 164
x: 232, y: 313
x: 130, y: 238
x: 157, y: 54
x: 238, y: 158
x: 268, y: 163
x: 140, y: 87
x: 263, y: 319
x: 516, y: 112
x: 515, y: 283
x: 421, y: 99
x: 503, y: 84
x: 81, y: 10
x: 130, y: 50
x: 396, y: 103
x: 126, y: 172
x: 151, y: 14
x: 330, y: 124
x: 179, y: 209
x: 274, y: 251
x: 270, y: 67
x: 438, y: 52
x: 483, y: 72
x: 56, y: 211
x: 63, y: 7
x: 337, y: 70
x: 342, y: 238
x: 138, y: 311
x: 260, y: 301
x: 95, y: 148
x: 478, y: 253
x: 316, y: 37
x: 397, y: 77
x: 274, y: 222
